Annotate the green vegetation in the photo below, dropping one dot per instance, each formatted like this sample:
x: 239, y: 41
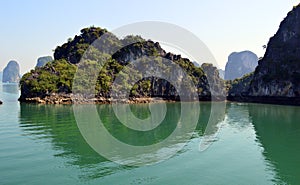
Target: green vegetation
x: 239, y: 85
x: 96, y: 66
x: 55, y: 77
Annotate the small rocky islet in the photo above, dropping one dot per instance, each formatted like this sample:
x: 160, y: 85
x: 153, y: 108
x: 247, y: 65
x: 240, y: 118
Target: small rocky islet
x: 11, y: 73
x: 276, y: 78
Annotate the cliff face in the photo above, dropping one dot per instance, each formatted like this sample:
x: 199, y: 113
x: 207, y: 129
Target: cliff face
x: 278, y: 73
x: 216, y: 84
x: 11, y: 72
x: 56, y: 77
x: 1, y: 75
x: 239, y: 64
x: 277, y: 77
x: 42, y: 61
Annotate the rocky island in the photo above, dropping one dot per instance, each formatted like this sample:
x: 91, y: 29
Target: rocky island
x: 276, y: 79
x: 52, y: 83
x: 11, y: 73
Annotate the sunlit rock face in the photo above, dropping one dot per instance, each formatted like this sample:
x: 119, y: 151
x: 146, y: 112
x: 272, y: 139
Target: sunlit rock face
x: 276, y: 79
x: 239, y: 64
x: 278, y: 73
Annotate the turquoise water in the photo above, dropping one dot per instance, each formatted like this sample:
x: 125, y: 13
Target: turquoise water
x: 255, y: 144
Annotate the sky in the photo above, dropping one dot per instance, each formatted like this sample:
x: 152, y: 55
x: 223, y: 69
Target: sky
x: 33, y: 28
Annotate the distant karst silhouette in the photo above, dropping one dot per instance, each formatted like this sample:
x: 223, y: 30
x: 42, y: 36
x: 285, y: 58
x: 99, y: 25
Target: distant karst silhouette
x: 239, y: 64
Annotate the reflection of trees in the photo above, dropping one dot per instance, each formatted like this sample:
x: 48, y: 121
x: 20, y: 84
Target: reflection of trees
x: 140, y: 138
x: 211, y: 115
x: 238, y: 115
x: 169, y: 123
x: 278, y: 130
x: 276, y: 127
x: 57, y: 124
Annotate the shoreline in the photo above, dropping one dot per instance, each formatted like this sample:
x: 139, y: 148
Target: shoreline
x: 273, y: 100
x: 67, y: 99
x: 79, y: 99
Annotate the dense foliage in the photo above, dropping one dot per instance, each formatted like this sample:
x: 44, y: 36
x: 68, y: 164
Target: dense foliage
x: 54, y: 77
x: 239, y: 86
x: 97, y: 64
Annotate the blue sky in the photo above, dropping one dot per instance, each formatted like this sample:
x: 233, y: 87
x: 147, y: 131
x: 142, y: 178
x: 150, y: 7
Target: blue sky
x: 33, y: 28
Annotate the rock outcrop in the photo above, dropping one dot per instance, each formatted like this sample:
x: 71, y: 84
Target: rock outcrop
x: 11, y: 73
x: 278, y: 73
x: 57, y: 76
x: 277, y: 76
x: 216, y: 84
x: 239, y: 64
x: 1, y: 75
x: 42, y: 61
x: 239, y: 87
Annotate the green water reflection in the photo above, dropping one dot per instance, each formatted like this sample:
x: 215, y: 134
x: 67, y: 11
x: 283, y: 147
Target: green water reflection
x: 276, y: 128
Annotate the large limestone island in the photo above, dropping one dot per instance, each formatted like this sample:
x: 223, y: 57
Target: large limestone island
x: 276, y: 79
x: 52, y: 83
x: 11, y: 73
x: 240, y: 64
